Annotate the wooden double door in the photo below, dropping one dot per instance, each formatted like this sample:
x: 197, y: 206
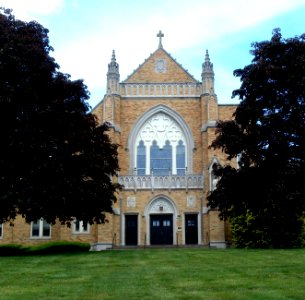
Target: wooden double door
x: 161, y: 229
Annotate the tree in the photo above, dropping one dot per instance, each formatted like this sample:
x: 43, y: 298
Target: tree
x: 55, y: 161
x: 265, y: 197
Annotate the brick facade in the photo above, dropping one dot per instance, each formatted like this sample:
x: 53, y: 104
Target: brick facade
x: 159, y: 86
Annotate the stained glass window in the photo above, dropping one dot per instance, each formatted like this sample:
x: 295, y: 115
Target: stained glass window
x: 160, y: 147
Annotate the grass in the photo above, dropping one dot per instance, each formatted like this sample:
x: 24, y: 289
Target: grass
x: 156, y: 274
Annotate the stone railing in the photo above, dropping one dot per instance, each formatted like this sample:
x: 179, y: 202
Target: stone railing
x: 152, y: 182
x: 160, y: 89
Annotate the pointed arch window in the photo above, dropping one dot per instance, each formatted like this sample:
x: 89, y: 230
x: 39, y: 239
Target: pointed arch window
x: 160, y: 147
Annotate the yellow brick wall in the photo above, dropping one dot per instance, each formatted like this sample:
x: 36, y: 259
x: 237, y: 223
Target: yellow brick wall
x: 226, y: 112
x: 212, y: 108
x: 144, y: 198
x: 189, y: 109
x: 216, y: 230
x: 124, y: 112
x: 19, y: 232
x: 195, y: 113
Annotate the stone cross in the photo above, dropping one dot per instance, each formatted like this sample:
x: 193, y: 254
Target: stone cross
x: 160, y: 35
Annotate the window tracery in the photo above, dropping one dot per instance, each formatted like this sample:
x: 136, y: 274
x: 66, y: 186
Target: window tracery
x: 160, y: 147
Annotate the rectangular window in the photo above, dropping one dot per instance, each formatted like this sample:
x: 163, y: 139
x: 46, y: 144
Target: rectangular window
x: 40, y: 229
x: 156, y: 223
x: 166, y: 223
x: 1, y: 232
x: 81, y: 227
x: 191, y: 223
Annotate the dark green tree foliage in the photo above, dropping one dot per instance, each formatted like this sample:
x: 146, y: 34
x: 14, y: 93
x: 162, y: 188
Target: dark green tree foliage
x: 265, y: 198
x: 55, y: 161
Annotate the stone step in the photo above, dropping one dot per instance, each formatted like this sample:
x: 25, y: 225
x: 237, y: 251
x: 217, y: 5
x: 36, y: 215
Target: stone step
x: 156, y: 247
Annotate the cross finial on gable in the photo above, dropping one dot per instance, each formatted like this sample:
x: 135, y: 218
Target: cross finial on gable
x: 160, y: 35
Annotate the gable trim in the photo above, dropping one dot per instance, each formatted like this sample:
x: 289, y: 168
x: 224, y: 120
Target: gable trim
x: 173, y: 59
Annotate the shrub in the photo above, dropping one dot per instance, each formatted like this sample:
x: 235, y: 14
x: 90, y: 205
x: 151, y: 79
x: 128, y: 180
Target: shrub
x: 12, y: 250
x: 255, y: 231
x: 59, y: 247
x: 46, y: 248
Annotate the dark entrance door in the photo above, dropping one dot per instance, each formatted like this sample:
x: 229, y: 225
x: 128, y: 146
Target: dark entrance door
x: 131, y: 230
x: 161, y: 229
x: 191, y: 229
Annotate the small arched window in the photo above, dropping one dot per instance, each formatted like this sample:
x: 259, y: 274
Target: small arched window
x: 213, y: 178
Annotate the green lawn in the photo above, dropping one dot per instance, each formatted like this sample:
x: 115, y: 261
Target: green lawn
x: 156, y: 274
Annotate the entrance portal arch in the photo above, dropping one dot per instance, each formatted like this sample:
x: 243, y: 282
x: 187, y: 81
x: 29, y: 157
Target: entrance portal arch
x: 161, y: 214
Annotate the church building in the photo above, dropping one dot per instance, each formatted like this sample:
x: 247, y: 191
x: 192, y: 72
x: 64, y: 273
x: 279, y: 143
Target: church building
x: 163, y: 120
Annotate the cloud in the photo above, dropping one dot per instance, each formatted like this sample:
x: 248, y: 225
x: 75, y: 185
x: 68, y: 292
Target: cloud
x: 210, y: 20
x: 30, y: 9
x: 83, y: 49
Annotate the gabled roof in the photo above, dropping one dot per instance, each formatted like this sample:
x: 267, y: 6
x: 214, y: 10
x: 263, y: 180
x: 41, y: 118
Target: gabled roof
x: 160, y: 67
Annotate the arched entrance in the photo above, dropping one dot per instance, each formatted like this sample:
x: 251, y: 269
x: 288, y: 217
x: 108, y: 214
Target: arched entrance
x: 161, y: 215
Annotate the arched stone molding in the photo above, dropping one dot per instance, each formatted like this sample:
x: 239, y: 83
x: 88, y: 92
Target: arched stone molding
x: 212, y: 178
x: 189, y: 140
x: 168, y: 207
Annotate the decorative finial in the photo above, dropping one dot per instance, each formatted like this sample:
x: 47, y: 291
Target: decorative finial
x: 113, y: 56
x: 207, y: 57
x: 113, y: 66
x: 207, y: 65
x: 113, y: 76
x: 207, y: 75
x: 160, y: 35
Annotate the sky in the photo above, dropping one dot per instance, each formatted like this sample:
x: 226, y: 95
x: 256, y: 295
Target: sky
x: 83, y: 34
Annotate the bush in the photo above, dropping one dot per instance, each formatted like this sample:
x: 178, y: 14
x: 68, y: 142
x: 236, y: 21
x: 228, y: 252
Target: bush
x: 59, y: 247
x: 46, y: 248
x: 251, y: 230
x: 12, y: 250
x: 248, y: 231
